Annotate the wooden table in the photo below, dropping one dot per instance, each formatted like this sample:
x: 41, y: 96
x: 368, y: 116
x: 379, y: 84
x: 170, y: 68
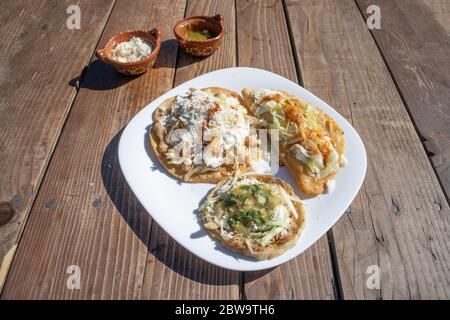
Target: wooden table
x: 65, y: 201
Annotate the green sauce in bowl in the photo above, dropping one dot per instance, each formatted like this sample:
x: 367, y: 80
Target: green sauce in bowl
x: 198, y: 35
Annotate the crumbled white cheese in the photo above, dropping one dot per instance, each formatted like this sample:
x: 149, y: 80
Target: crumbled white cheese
x: 260, y: 166
x: 247, y: 182
x: 131, y: 51
x: 190, y: 108
x: 266, y: 107
x: 212, y: 160
x: 223, y: 120
x: 232, y: 101
x: 231, y: 126
x: 261, y: 93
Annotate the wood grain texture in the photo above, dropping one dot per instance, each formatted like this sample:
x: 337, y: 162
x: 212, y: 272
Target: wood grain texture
x: 416, y: 48
x: 400, y: 219
x: 189, y: 67
x: 39, y: 55
x: 264, y: 43
x: 14, y: 18
x: 85, y: 214
x: 441, y: 11
x: 172, y: 272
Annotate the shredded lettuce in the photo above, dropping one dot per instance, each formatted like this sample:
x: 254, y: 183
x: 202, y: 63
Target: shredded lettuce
x: 249, y: 246
x: 262, y: 109
x: 268, y: 237
x: 191, y: 172
x: 332, y: 164
x: 313, y: 162
x: 288, y: 202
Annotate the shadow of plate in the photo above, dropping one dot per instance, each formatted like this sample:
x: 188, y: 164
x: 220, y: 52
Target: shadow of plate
x: 159, y: 243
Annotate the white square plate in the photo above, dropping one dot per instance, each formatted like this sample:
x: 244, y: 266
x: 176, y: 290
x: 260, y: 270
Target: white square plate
x: 173, y: 204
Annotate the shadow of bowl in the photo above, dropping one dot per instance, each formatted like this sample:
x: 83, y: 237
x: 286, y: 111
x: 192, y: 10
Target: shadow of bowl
x: 101, y: 76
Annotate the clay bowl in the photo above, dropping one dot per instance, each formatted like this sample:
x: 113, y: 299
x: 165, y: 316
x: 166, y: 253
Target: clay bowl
x: 197, y: 48
x: 153, y: 37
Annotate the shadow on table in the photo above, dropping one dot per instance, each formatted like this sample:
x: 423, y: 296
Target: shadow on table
x: 166, y: 59
x: 102, y: 76
x: 185, y: 59
x: 158, y: 242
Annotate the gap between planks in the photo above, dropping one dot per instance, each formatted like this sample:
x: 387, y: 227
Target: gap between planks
x: 337, y: 286
x: 395, y: 80
x: 9, y: 258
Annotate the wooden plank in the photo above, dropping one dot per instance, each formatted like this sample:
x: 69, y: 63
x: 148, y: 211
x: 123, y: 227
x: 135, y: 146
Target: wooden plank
x: 39, y: 55
x: 189, y: 277
x: 264, y: 43
x: 400, y: 219
x: 416, y: 48
x: 85, y: 214
x: 441, y: 11
x: 14, y: 18
x: 189, y: 67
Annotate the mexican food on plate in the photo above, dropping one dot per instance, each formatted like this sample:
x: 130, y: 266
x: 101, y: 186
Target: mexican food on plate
x: 235, y: 224
x: 202, y: 134
x: 257, y: 215
x: 312, y: 144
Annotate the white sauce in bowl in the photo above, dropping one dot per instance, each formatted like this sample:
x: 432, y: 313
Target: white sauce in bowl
x: 131, y: 51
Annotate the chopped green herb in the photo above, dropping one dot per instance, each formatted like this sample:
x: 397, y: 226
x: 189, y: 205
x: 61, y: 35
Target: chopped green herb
x: 228, y: 202
x: 264, y: 194
x: 234, y: 199
x: 232, y: 222
x: 251, y: 216
x: 255, y: 188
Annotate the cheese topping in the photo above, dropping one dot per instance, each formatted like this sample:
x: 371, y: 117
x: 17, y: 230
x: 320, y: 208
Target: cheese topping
x: 218, y: 121
x: 259, y: 94
x: 131, y: 51
x: 303, y: 127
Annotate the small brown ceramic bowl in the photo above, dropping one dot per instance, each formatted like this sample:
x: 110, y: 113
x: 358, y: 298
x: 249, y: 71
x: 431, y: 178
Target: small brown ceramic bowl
x: 198, y: 48
x: 153, y: 37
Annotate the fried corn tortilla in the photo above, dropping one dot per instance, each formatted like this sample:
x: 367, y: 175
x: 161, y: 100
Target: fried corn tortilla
x: 214, y: 116
x: 312, y: 144
x: 255, y: 215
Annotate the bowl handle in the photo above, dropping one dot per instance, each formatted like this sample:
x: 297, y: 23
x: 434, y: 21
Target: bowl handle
x: 101, y: 55
x: 219, y: 18
x: 156, y: 33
